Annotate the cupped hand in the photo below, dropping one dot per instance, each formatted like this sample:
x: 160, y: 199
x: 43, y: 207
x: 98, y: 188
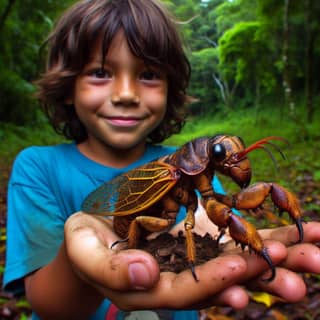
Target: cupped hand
x: 301, y: 258
x: 131, y: 278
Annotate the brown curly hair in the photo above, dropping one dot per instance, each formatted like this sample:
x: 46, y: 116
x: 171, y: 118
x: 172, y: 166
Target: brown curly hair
x: 152, y: 36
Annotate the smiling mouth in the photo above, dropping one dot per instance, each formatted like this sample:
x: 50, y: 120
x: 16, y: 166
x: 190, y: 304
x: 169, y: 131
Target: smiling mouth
x: 123, y: 122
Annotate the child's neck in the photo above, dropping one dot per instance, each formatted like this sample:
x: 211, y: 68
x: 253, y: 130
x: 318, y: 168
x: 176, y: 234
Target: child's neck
x: 109, y: 156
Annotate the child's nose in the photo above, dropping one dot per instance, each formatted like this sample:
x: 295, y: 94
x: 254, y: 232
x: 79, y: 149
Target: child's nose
x: 125, y: 91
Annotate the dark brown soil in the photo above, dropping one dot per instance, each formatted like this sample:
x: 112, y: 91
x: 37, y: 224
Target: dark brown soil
x: 170, y: 251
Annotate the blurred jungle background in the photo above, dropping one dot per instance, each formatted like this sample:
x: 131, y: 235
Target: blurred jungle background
x: 255, y: 73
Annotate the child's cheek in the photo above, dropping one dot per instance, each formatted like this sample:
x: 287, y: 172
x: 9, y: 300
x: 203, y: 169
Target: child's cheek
x: 90, y: 98
x: 157, y: 99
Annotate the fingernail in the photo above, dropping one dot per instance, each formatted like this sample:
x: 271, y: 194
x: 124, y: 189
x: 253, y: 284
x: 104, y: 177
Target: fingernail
x: 139, y: 275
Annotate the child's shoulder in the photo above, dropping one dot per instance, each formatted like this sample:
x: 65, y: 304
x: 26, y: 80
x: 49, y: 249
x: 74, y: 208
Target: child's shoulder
x: 37, y: 156
x: 44, y: 151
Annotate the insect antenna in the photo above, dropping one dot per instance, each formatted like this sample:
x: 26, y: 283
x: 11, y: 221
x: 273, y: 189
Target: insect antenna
x: 260, y: 144
x: 270, y: 155
x: 277, y: 149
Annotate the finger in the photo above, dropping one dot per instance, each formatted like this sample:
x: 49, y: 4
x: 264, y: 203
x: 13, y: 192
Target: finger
x: 287, y: 285
x: 255, y: 263
x: 101, y: 226
x: 181, y: 291
x: 303, y: 257
x: 86, y: 244
x: 234, y: 296
x: 289, y: 234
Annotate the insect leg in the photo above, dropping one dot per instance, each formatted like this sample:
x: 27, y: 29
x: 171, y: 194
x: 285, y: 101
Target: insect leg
x: 149, y: 223
x: 241, y: 231
x: 182, y: 195
x: 254, y: 196
x: 191, y: 204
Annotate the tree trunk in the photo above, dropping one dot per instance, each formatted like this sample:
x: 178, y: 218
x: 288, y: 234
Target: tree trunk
x: 285, y: 59
x: 309, y: 61
x: 257, y: 98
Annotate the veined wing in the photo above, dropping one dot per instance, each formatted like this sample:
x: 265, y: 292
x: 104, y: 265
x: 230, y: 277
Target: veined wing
x: 132, y: 191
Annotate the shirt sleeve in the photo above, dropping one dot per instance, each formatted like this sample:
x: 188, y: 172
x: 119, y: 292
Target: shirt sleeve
x: 219, y: 189
x: 34, y: 222
x: 217, y: 186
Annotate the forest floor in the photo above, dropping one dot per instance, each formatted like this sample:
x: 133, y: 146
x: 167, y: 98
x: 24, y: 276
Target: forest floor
x: 261, y: 306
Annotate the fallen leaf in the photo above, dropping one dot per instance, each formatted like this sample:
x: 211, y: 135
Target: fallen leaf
x: 264, y: 298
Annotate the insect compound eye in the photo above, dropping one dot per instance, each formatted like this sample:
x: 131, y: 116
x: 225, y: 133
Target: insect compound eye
x: 218, y: 152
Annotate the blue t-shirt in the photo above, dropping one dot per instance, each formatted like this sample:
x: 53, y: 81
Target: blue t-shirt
x: 47, y: 185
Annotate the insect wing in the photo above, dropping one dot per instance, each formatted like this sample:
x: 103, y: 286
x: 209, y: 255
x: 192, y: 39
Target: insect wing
x: 133, y: 191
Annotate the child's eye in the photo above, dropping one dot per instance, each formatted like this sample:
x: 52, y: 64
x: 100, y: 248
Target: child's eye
x: 100, y: 73
x: 150, y: 75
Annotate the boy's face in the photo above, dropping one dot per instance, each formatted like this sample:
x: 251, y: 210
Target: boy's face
x: 121, y: 102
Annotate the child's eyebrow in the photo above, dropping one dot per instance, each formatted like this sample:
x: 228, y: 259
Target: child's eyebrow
x: 94, y: 60
x: 115, y: 62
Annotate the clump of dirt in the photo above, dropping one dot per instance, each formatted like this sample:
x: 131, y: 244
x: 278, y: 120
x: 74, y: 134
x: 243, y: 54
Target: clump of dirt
x: 170, y: 251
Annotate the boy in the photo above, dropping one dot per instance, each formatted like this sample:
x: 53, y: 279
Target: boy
x: 115, y: 84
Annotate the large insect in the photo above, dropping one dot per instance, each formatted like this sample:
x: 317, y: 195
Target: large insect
x: 147, y: 199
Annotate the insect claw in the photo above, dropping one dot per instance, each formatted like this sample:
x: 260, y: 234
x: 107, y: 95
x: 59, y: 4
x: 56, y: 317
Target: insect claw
x: 267, y: 258
x: 298, y: 222
x: 193, y: 271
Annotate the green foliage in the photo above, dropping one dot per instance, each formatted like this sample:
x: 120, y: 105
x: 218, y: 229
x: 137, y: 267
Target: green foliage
x: 317, y: 175
x: 202, y: 82
x: 235, y: 48
x: 23, y: 27
x: 249, y: 38
x: 16, y: 96
x: 238, y: 49
x: 236, y: 11
x: 15, y: 138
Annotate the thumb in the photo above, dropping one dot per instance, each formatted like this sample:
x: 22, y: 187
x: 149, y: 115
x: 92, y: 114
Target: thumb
x: 88, y: 241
